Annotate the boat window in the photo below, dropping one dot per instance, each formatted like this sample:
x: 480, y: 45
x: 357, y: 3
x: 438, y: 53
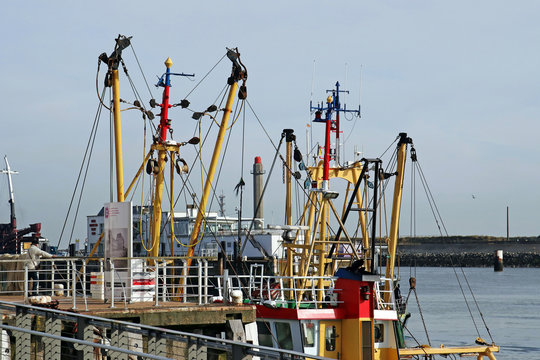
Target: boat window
x: 378, y: 332
x: 180, y: 228
x: 331, y: 338
x: 309, y: 334
x: 284, y: 335
x: 367, y: 347
x: 265, y: 336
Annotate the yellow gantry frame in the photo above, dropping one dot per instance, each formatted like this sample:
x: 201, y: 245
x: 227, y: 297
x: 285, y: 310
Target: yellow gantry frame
x: 318, y: 247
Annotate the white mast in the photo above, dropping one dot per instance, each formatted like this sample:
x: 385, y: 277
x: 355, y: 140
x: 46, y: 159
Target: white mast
x: 8, y: 171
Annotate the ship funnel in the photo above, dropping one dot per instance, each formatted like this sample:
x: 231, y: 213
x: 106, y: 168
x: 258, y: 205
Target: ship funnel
x: 257, y: 193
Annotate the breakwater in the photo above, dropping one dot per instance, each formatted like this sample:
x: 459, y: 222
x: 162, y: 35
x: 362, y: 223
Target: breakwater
x: 468, y: 251
x: 468, y: 259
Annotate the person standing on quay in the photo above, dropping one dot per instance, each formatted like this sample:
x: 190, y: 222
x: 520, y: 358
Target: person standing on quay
x: 32, y: 262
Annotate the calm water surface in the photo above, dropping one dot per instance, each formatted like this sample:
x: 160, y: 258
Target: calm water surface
x: 508, y: 300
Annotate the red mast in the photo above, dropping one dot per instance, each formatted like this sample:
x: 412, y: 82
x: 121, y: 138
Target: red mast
x: 165, y: 123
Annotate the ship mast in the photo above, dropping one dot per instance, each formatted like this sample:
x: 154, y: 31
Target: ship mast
x: 113, y: 62
x: 112, y: 80
x: 312, y: 251
x: 239, y: 73
x: 163, y: 148
x: 396, y: 209
x: 8, y: 171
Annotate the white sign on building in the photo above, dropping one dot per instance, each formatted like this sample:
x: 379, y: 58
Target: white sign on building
x: 118, y: 217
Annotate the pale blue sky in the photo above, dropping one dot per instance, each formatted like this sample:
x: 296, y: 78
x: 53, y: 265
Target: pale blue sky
x: 461, y: 77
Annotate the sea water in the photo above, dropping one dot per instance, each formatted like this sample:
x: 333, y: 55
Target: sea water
x: 509, y: 302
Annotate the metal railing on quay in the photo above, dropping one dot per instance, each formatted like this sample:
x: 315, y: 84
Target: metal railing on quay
x: 119, y: 280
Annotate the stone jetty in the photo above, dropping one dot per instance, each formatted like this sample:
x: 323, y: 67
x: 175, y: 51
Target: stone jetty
x: 468, y: 251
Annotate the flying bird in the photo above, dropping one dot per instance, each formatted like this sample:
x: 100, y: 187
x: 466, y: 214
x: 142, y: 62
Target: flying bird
x: 474, y: 197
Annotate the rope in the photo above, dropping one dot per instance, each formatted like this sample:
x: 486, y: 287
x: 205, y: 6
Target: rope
x: 417, y: 342
x: 97, y: 87
x: 421, y: 315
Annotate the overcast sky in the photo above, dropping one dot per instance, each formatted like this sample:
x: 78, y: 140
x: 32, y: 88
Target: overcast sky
x: 460, y: 77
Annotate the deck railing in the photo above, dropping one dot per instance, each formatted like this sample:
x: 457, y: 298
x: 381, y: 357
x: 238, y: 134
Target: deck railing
x: 30, y: 332
x: 380, y: 293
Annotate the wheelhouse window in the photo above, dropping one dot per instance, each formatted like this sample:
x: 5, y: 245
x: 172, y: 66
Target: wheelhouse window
x: 284, y: 335
x: 330, y: 337
x: 265, y: 335
x: 378, y: 333
x: 308, y: 330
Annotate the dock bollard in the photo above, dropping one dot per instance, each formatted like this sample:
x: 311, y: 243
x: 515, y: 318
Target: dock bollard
x: 498, y: 263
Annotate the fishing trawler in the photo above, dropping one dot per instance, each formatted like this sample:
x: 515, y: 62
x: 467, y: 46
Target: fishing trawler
x: 329, y: 296
x: 326, y: 296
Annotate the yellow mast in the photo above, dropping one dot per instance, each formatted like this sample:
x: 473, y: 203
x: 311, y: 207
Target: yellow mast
x: 396, y: 208
x: 288, y: 178
x: 237, y: 74
x: 118, y: 137
x: 113, y: 61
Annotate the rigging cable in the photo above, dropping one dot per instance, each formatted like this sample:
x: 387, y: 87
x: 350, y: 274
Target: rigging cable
x: 431, y: 198
x: 140, y: 69
x: 263, y: 192
x: 241, y: 182
x: 412, y: 229
x: 142, y: 191
x: 465, y: 298
x: 476, y: 303
x: 204, y: 77
x: 185, y: 182
x: 82, y: 186
x: 412, y: 288
x: 436, y: 214
x: 87, y: 154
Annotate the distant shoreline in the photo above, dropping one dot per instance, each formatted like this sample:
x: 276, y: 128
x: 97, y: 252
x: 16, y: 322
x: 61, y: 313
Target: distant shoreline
x: 468, y: 251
